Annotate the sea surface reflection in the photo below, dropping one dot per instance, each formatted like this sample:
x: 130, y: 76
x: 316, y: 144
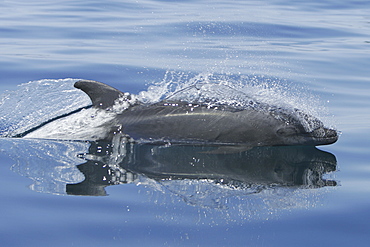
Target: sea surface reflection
x: 199, y: 175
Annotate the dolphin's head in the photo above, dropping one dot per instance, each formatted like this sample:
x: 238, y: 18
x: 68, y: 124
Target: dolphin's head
x: 299, y: 128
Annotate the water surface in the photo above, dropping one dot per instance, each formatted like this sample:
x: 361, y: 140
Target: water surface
x: 317, y: 52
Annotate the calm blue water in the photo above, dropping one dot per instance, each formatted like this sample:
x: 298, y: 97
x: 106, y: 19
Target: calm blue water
x: 313, y: 49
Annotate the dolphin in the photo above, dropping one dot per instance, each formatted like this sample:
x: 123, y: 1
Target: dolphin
x: 183, y: 122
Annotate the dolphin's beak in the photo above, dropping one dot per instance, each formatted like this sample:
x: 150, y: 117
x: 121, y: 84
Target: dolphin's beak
x: 324, y: 136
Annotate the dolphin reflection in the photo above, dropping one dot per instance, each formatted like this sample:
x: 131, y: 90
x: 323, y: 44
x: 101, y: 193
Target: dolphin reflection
x: 253, y: 170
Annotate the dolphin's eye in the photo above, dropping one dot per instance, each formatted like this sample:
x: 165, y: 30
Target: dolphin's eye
x: 286, y: 131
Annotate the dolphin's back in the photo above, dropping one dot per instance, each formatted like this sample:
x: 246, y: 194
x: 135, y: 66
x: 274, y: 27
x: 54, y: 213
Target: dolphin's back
x: 182, y: 122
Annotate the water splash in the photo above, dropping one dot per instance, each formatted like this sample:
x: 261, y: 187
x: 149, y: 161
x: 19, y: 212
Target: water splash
x: 231, y: 89
x: 36, y: 102
x: 238, y: 91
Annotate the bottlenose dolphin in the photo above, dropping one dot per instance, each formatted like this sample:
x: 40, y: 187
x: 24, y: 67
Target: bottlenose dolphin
x: 196, y: 123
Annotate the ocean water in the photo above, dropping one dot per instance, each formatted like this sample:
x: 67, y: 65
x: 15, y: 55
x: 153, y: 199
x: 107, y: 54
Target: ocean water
x: 314, y: 55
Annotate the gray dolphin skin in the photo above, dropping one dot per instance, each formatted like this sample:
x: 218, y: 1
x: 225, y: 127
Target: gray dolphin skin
x: 195, y: 123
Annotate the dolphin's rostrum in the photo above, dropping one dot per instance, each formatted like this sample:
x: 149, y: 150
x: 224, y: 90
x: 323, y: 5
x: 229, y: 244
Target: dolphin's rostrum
x: 201, y: 123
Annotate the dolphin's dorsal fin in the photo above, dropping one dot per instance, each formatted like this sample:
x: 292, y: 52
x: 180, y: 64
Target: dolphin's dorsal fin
x: 101, y: 95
